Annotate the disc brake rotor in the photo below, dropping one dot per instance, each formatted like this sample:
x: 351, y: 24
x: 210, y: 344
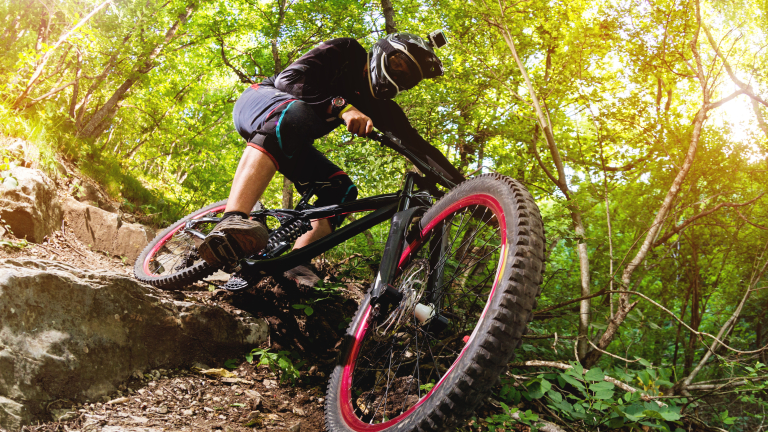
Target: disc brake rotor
x: 412, y: 284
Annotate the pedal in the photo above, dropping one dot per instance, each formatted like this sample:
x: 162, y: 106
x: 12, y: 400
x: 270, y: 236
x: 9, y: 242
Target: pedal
x: 236, y: 283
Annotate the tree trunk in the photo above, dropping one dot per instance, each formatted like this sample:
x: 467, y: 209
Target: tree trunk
x: 389, y: 16
x: 683, y: 309
x: 287, y: 193
x: 45, y: 26
x: 698, y: 122
x: 545, y: 124
x: 76, y: 90
x: 695, y: 321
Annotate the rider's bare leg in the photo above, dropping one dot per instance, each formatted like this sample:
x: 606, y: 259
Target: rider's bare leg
x: 320, y: 229
x: 251, y: 179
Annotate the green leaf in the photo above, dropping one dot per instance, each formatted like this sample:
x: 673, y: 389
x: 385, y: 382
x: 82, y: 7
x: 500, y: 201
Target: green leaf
x: 616, y: 423
x: 670, y: 415
x: 572, y: 381
x: 602, y: 385
x: 644, y: 362
x: 555, y: 396
x: 232, y: 363
x: 594, y: 374
x: 538, y: 387
x: 309, y: 311
x: 604, y: 394
x: 577, y: 368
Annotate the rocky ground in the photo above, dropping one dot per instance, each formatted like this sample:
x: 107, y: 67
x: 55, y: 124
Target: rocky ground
x: 248, y: 396
x: 244, y: 397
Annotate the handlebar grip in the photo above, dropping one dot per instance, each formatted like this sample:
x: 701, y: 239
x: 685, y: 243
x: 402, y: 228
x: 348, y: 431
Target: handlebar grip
x: 375, y: 136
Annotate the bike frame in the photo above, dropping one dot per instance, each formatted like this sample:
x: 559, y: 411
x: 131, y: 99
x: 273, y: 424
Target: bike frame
x: 393, y: 206
x: 401, y: 207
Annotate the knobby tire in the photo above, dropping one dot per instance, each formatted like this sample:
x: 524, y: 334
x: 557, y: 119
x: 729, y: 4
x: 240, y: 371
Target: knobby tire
x: 379, y: 383
x: 162, y: 263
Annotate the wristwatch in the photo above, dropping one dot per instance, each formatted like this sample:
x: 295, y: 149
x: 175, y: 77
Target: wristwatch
x: 338, y: 106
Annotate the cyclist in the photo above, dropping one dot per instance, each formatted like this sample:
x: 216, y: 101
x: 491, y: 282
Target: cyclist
x: 337, y: 82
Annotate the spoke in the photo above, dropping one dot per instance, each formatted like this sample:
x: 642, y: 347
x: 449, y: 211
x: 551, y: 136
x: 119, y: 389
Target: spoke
x: 450, y: 282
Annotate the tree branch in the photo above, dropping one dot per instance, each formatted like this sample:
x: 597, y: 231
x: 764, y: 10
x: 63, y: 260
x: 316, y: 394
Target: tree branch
x: 690, y: 220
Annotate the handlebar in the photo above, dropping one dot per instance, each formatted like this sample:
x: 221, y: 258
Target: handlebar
x: 375, y: 136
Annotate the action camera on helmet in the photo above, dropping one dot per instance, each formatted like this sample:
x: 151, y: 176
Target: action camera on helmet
x: 437, y: 39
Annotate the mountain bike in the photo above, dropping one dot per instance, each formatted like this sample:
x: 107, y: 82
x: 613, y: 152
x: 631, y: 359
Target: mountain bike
x: 459, y: 277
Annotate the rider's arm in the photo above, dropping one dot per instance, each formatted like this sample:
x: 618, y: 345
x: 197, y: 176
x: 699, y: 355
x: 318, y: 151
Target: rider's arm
x: 387, y: 116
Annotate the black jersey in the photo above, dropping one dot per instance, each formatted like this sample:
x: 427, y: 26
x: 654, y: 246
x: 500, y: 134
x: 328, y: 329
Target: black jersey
x: 337, y: 68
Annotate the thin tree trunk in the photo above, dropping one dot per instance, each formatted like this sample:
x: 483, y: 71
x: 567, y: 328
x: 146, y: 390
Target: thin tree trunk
x: 698, y: 122
x: 683, y: 309
x: 695, y: 322
x: 389, y: 16
x: 287, y: 193
x: 76, y: 90
x: 578, y: 226
x: 44, y: 28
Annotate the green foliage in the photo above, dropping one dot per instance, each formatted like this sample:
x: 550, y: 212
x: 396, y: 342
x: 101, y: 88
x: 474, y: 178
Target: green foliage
x: 586, y: 398
x: 505, y: 420
x: 320, y: 289
x: 280, y: 363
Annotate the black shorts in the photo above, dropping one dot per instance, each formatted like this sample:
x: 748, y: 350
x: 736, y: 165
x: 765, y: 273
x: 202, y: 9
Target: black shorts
x: 284, y: 128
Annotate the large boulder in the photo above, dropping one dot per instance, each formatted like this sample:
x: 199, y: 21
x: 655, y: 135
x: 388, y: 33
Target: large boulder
x: 105, y: 231
x: 31, y: 208
x: 73, y: 334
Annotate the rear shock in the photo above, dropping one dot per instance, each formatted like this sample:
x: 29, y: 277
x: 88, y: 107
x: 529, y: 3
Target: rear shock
x: 281, y: 238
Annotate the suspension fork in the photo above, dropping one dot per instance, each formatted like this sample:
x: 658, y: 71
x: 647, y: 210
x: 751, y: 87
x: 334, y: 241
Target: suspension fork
x: 383, y: 293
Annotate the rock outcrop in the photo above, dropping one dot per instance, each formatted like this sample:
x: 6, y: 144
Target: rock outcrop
x: 105, y: 231
x: 31, y: 209
x: 67, y: 333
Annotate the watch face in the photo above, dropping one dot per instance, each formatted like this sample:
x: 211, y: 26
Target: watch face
x: 339, y: 102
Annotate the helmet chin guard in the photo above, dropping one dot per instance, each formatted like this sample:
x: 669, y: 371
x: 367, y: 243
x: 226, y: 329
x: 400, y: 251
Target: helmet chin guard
x: 421, y: 57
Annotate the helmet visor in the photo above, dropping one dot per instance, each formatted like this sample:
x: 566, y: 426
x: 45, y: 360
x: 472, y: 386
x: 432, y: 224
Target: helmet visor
x: 402, y: 71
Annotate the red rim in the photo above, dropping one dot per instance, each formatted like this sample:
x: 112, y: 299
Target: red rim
x: 168, y: 236
x: 347, y: 410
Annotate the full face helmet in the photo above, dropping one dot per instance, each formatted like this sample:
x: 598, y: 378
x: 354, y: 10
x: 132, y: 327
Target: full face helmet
x: 398, y: 62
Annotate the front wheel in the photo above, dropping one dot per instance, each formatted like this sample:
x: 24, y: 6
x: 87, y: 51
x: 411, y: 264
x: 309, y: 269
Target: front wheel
x: 469, y: 284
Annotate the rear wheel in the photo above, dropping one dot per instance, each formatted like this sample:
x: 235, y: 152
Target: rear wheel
x: 170, y: 261
x: 469, y: 285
